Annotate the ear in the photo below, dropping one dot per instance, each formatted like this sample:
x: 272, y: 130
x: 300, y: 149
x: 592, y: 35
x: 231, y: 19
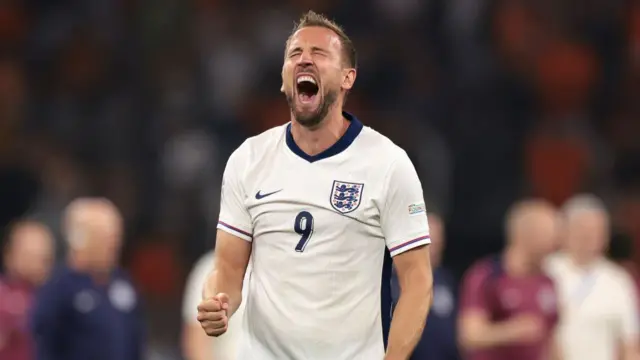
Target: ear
x: 282, y: 78
x: 348, y: 78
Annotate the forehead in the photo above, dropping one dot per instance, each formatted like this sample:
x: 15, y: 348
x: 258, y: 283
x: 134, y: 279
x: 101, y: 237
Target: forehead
x: 30, y: 233
x: 315, y: 36
x: 586, y: 217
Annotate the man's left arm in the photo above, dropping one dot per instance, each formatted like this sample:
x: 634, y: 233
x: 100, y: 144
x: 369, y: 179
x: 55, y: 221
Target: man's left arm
x: 48, y: 315
x: 629, y: 325
x: 410, y: 315
x: 406, y: 230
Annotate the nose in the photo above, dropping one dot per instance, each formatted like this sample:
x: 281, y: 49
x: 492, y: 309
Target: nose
x: 305, y: 59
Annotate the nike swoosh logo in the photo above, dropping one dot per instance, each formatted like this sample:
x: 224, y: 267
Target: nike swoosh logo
x: 262, y: 196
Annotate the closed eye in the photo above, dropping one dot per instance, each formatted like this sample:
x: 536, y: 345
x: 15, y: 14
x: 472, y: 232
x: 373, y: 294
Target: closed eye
x: 318, y: 51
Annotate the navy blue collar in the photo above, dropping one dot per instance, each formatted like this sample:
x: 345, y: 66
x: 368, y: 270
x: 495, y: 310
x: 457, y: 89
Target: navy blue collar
x: 341, y: 145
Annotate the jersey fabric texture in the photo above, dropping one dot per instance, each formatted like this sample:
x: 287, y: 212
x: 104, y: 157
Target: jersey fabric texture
x: 323, y: 230
x: 601, y: 308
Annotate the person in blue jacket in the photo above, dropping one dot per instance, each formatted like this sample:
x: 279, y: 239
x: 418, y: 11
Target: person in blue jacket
x: 89, y: 308
x: 439, y: 340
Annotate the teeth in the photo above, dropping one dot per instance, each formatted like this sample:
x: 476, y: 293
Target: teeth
x: 306, y: 78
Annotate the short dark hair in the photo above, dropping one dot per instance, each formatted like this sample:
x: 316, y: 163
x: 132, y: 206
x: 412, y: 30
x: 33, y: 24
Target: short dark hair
x: 313, y: 19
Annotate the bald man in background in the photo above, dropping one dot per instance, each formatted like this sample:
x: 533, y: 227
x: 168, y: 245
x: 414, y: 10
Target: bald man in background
x: 28, y: 258
x: 89, y: 308
x: 600, y: 321
x: 508, y: 305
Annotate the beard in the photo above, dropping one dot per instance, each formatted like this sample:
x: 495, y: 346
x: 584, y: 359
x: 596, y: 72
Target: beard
x: 311, y: 119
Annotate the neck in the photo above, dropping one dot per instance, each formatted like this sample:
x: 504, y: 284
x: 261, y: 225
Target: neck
x: 82, y: 265
x: 582, y: 260
x: 315, y: 140
x: 518, y: 263
x: 13, y: 275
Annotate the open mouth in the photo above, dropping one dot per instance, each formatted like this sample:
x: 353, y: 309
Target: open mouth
x: 307, y: 88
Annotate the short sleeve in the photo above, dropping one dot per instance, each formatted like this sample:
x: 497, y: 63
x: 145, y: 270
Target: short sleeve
x: 628, y: 311
x: 404, y: 217
x: 473, y: 292
x: 234, y: 217
x: 193, y: 288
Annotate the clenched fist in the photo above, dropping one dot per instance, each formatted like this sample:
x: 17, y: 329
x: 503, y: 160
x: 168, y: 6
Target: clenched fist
x: 212, y: 314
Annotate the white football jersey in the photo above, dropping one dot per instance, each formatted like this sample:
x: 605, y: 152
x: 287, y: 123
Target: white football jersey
x: 319, y: 227
x: 600, y: 308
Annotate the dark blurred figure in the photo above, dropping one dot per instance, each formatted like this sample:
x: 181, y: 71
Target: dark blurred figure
x: 28, y: 258
x: 508, y: 307
x: 89, y: 308
x: 439, y: 337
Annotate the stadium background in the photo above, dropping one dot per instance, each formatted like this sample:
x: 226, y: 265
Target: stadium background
x: 142, y: 101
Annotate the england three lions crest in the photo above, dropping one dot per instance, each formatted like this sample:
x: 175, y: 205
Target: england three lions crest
x: 345, y: 196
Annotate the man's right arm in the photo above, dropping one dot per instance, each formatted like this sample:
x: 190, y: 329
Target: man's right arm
x: 231, y: 259
x: 478, y: 332
x: 47, y: 319
x: 235, y: 234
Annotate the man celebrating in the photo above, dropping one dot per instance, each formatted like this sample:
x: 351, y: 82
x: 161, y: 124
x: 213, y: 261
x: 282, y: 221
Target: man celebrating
x: 89, y: 309
x: 28, y: 258
x: 508, y: 306
x: 314, y: 203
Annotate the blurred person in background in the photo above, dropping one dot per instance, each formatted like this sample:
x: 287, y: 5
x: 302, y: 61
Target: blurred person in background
x: 439, y: 340
x: 89, y: 308
x: 508, y: 305
x: 28, y: 258
x: 598, y: 298
x: 196, y: 345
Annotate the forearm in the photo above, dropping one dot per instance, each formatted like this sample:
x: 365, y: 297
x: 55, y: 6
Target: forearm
x: 554, y: 350
x: 228, y: 282
x: 195, y: 343
x: 630, y: 351
x: 409, y: 319
x: 487, y: 336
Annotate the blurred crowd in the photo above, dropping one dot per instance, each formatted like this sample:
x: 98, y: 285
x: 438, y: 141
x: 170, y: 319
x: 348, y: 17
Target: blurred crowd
x: 142, y: 101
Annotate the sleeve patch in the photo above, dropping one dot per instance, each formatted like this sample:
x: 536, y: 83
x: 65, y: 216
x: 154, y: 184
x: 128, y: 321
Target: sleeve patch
x: 415, y: 209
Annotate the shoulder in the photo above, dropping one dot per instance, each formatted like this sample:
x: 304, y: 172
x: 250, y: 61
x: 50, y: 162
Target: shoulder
x: 547, y: 280
x: 482, y: 270
x: 554, y: 263
x: 617, y: 275
x: 256, y: 145
x: 61, y: 275
x: 123, y: 275
x: 61, y: 281
x: 381, y: 146
x: 4, y: 286
x: 392, y: 163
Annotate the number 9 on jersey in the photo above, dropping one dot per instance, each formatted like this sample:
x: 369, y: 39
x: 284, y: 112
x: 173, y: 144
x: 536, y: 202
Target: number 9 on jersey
x: 303, y: 226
